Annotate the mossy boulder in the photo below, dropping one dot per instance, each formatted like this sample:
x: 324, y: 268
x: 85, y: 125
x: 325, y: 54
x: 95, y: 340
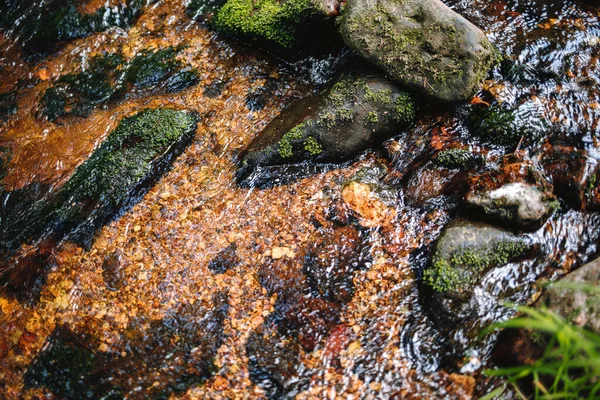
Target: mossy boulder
x: 463, y: 255
x: 78, y: 94
x: 356, y: 112
x: 115, y: 176
x: 456, y: 158
x: 421, y: 43
x: 40, y: 26
x: 266, y: 20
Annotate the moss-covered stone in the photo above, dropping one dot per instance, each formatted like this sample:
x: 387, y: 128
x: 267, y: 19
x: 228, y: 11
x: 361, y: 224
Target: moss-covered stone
x: 263, y: 19
x: 334, y: 126
x: 499, y: 125
x: 464, y: 266
x: 467, y: 250
x: 137, y: 151
x: 150, y: 67
x: 422, y: 44
x: 78, y: 94
x: 455, y: 158
x: 106, y: 78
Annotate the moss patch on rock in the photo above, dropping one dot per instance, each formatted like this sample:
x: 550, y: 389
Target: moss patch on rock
x: 263, y: 19
x: 499, y: 125
x: 137, y: 151
x: 464, y: 266
x: 455, y: 158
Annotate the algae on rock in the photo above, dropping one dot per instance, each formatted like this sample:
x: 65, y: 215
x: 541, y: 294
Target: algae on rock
x: 116, y: 174
x: 357, y: 111
x: 421, y: 43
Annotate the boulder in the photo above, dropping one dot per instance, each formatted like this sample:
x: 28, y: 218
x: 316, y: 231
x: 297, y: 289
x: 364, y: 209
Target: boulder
x: 454, y: 289
x: 465, y: 252
x: 516, y: 204
x: 421, y: 43
x: 139, y: 150
x: 577, y: 297
x: 357, y: 111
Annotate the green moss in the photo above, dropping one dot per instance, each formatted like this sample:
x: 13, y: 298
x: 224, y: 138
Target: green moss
x: 372, y: 117
x: 312, y: 146
x: 405, y: 108
x: 104, y: 80
x: 263, y: 19
x: 464, y: 266
x: 454, y: 158
x: 380, y: 97
x: 78, y: 94
x: 497, y: 125
x: 285, y: 147
x: 150, y: 67
x: 125, y: 158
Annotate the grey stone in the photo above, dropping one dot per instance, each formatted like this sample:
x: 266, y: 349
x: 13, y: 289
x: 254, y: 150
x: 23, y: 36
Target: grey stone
x: 420, y: 43
x: 577, y: 297
x: 517, y: 204
x: 357, y: 111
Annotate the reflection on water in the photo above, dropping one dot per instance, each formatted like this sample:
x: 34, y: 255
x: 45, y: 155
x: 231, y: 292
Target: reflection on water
x: 204, y: 289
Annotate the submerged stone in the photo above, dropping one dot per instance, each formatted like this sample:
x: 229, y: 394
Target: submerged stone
x: 575, y: 175
x: 421, y: 43
x: 137, y: 151
x: 356, y: 112
x: 577, y: 297
x: 499, y: 125
x: 109, y: 77
x: 465, y: 251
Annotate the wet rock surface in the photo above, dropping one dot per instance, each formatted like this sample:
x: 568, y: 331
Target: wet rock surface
x: 422, y: 44
x: 463, y: 254
x: 520, y: 205
x: 139, y: 148
x: 576, y: 297
x: 356, y: 112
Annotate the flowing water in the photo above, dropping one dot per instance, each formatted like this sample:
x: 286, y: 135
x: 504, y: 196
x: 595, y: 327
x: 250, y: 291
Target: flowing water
x: 200, y: 288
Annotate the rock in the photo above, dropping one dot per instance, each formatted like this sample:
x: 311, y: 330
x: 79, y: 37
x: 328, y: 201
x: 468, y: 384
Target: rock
x: 517, y: 204
x: 109, y: 77
x: 121, y: 168
x: 334, y: 126
x: 370, y: 210
x: 452, y: 289
x: 465, y: 251
x: 421, y: 43
x: 39, y: 27
x: 499, y: 125
x: 430, y: 181
x: 577, y: 297
x: 330, y: 264
x: 575, y: 176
